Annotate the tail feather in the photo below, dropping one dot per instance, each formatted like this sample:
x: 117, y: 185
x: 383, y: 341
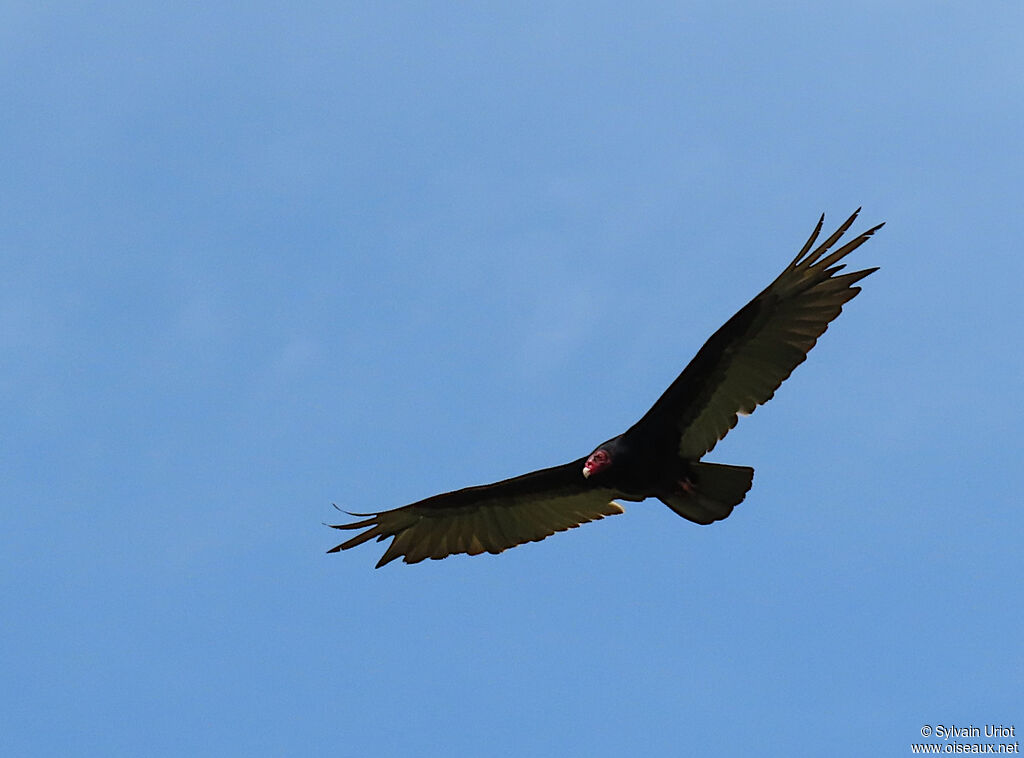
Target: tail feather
x: 717, y: 489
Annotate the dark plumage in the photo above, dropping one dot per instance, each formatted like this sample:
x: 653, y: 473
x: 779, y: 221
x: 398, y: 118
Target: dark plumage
x: 737, y: 369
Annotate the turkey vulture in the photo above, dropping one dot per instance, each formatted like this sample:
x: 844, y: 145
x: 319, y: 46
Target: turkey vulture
x: 737, y: 369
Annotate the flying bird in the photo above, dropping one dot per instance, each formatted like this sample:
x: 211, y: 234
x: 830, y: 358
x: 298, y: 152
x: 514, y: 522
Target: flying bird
x: 737, y: 369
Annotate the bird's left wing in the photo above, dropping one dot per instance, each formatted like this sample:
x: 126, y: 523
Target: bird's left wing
x: 488, y: 518
x: 745, y: 361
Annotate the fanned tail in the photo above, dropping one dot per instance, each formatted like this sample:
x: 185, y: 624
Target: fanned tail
x: 716, y: 489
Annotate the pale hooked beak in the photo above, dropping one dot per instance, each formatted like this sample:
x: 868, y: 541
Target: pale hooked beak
x: 586, y: 471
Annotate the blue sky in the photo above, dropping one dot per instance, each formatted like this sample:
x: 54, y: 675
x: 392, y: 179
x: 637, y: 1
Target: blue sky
x: 262, y: 257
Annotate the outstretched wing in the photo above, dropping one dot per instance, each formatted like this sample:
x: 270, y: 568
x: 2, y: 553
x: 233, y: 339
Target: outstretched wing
x: 745, y: 361
x: 488, y: 518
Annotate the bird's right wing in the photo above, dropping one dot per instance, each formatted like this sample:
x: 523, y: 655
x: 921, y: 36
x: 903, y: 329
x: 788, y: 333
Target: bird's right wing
x: 488, y: 518
x: 745, y: 361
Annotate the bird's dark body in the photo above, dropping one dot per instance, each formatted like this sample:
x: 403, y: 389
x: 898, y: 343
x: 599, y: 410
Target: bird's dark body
x: 739, y: 367
x: 645, y: 465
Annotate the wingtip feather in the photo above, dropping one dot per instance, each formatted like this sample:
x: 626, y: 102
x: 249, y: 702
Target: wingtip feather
x: 810, y: 241
x: 824, y: 247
